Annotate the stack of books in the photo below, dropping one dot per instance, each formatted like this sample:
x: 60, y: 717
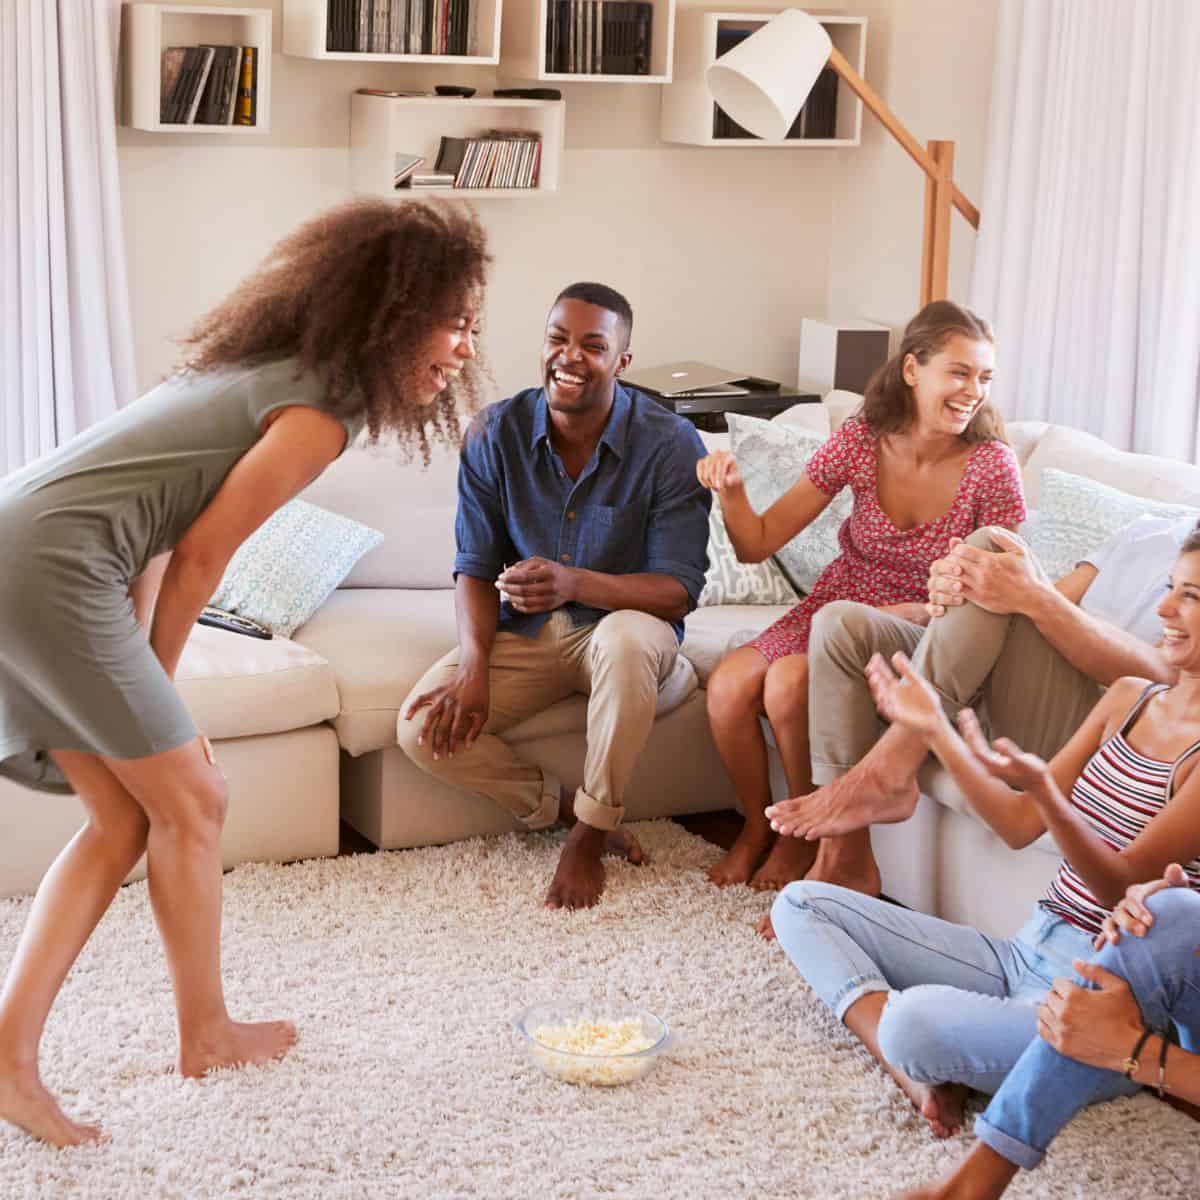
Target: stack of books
x: 399, y: 26
x: 598, y: 37
x: 209, y: 85
x: 497, y: 158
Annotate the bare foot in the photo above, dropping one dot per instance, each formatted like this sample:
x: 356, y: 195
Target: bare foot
x: 851, y: 867
x: 622, y: 844
x: 982, y: 1175
x: 741, y: 859
x: 765, y: 929
x: 24, y: 1102
x: 239, y: 1044
x: 863, y: 796
x: 941, y: 1104
x: 789, y: 860
x: 579, y: 878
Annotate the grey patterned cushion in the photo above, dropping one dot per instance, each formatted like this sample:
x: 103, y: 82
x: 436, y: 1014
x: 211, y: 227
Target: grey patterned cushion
x: 728, y: 581
x: 772, y: 457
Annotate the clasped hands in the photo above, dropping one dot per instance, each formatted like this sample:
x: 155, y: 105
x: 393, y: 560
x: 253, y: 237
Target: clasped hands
x: 537, y: 585
x: 999, y: 581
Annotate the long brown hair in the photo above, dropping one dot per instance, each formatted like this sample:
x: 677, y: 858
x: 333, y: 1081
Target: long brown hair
x: 355, y: 294
x: 888, y: 405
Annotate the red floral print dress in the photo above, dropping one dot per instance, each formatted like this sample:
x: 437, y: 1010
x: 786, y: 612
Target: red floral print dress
x: 880, y: 564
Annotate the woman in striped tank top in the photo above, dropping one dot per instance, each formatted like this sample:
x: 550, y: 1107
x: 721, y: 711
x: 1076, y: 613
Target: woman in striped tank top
x: 945, y: 1007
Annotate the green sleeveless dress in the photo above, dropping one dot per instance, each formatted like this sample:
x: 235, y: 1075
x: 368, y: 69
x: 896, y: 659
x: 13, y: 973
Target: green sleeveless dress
x: 77, y: 526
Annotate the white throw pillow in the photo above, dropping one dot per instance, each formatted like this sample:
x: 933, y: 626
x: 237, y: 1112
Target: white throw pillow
x: 1076, y: 516
x: 284, y: 571
x: 772, y: 458
x: 728, y: 581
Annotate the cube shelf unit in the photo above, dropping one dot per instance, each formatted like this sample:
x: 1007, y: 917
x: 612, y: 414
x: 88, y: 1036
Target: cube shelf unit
x: 382, y: 126
x: 687, y: 104
x: 525, y: 45
x: 151, y: 28
x: 305, y: 31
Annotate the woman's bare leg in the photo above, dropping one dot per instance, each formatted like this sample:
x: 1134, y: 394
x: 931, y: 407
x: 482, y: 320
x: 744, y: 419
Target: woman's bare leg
x: 184, y: 796
x: 785, y: 698
x: 982, y: 1175
x: 735, y: 703
x: 940, y: 1104
x: 73, y: 896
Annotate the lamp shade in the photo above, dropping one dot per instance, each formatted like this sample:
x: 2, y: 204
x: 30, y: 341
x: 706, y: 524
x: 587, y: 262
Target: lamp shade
x: 763, y: 82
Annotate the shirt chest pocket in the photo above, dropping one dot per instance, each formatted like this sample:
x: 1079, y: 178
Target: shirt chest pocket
x: 610, y: 538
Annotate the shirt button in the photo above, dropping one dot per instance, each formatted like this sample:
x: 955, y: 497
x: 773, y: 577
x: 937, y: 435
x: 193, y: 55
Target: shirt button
x: 571, y: 516
x: 566, y: 558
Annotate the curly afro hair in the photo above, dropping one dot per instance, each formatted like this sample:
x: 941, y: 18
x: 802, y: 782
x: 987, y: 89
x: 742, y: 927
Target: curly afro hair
x: 355, y: 294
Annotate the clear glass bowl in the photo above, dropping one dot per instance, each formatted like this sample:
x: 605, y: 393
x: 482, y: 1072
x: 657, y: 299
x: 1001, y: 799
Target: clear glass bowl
x: 598, y: 1069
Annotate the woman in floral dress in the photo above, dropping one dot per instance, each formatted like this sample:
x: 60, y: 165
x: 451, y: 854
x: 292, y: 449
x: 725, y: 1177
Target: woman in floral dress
x: 926, y: 461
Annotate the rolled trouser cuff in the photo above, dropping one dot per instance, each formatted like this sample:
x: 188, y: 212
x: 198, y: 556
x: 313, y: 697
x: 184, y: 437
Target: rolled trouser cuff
x: 599, y: 816
x: 548, y: 811
x: 1015, y: 1151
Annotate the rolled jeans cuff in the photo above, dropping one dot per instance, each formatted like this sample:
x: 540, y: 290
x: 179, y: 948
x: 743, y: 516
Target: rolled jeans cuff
x: 547, y: 812
x: 1016, y: 1152
x: 854, y: 990
x: 824, y: 773
x: 599, y: 816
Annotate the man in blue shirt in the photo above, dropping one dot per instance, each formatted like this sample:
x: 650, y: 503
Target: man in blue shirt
x: 582, y: 538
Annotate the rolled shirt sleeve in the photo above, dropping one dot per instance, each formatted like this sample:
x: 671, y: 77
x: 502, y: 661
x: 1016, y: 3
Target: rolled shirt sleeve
x: 482, y: 542
x: 677, y: 531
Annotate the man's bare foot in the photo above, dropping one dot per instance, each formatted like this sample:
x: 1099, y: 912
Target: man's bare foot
x: 622, y: 844
x: 741, y: 859
x: 239, y: 1044
x: 24, y: 1102
x: 863, y: 796
x: 579, y: 878
x: 789, y: 859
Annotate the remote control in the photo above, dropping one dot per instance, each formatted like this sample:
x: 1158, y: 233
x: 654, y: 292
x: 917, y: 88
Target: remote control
x: 219, y: 619
x: 454, y: 89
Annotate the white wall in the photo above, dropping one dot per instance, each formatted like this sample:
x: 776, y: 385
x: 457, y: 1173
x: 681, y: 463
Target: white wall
x: 721, y: 252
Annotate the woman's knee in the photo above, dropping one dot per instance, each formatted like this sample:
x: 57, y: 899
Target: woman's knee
x: 911, y: 1033
x: 1174, y: 930
x: 785, y: 690
x: 735, y: 688
x: 120, y: 830
x: 195, y: 808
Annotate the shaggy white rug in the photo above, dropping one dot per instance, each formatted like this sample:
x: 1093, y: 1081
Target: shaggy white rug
x: 404, y: 971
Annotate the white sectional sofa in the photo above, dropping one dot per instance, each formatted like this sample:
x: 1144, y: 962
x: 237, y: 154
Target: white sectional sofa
x: 304, y: 728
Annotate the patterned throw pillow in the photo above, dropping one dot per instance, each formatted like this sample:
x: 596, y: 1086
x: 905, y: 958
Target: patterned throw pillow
x: 1077, y: 516
x: 284, y: 571
x: 772, y: 457
x: 728, y: 581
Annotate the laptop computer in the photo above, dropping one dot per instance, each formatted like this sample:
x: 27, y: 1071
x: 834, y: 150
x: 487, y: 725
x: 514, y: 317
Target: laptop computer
x: 687, y: 379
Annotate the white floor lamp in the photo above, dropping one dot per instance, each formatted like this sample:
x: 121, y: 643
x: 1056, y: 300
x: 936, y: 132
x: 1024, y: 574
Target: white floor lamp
x: 763, y: 82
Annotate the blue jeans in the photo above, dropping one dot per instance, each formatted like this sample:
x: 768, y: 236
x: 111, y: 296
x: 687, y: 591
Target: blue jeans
x: 962, y: 1006
x: 1045, y: 1089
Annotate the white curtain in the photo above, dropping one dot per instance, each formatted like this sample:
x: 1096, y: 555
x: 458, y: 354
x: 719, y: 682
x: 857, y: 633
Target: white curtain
x: 66, y: 343
x: 1088, y: 259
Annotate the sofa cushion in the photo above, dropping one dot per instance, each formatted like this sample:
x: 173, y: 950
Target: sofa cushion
x: 413, y: 506
x: 379, y: 642
x: 238, y: 686
x: 1165, y: 479
x: 708, y: 632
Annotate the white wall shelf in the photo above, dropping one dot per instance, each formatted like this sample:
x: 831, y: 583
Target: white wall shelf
x: 687, y: 104
x: 382, y: 126
x: 526, y: 46
x: 150, y: 28
x: 306, y: 35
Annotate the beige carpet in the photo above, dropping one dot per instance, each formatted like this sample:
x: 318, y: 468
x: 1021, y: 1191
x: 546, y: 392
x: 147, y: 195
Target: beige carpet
x: 403, y: 971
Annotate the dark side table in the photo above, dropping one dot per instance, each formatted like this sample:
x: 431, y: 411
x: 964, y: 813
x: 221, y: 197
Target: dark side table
x: 708, y: 412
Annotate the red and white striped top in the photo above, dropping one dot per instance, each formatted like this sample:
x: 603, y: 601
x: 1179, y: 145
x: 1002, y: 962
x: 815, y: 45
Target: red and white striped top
x: 1118, y: 793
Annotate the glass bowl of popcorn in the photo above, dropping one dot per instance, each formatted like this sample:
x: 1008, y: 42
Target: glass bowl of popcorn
x: 603, y: 1046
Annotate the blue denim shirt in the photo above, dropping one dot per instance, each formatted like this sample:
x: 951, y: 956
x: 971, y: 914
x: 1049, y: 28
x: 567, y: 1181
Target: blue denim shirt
x: 636, y: 506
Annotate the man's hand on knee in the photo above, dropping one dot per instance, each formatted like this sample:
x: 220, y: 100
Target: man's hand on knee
x: 1001, y: 581
x: 457, y: 713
